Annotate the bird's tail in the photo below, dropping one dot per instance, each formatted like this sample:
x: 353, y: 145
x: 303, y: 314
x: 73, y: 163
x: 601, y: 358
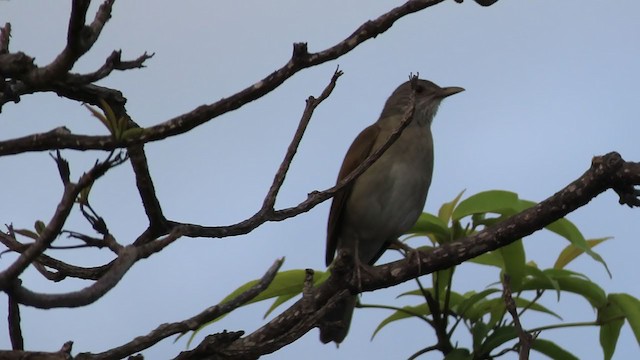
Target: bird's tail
x: 335, y: 324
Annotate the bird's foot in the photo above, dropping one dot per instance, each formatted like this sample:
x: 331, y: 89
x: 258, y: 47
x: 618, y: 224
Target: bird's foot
x: 408, y: 252
x: 362, y: 267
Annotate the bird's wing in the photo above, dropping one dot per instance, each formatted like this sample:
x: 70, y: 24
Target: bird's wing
x: 359, y: 150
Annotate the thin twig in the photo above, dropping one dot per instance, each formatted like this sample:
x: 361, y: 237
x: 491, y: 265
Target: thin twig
x: 5, y: 38
x: 278, y: 179
x: 54, y: 227
x: 526, y: 339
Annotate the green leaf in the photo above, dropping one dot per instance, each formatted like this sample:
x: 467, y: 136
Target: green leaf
x: 496, y: 308
x: 27, y: 233
x: 39, y: 226
x: 552, y: 350
x: 285, y: 283
x: 479, y: 332
x: 492, y: 201
x: 514, y: 263
x: 500, y: 336
x: 133, y: 132
x: 587, y: 289
x: 497, y: 312
x: 97, y: 114
x: 571, y: 252
x: 277, y: 302
x: 467, y: 305
x: 630, y: 307
x: 83, y: 196
x: 524, y: 303
x: 109, y: 114
x: 611, y: 319
x: 454, y: 297
x: 441, y: 282
x: 459, y: 354
x: 569, y: 231
x: 491, y: 258
x: 447, y: 208
x: 536, y: 273
x: 557, y: 273
x: 428, y: 223
x: 404, y: 313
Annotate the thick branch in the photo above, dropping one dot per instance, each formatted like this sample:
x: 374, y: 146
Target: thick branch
x: 608, y: 171
x: 165, y: 330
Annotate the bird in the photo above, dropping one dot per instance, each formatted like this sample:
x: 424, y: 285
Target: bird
x: 386, y: 200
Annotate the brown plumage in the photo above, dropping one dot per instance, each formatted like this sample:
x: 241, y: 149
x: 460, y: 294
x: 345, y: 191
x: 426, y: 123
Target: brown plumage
x: 387, y: 199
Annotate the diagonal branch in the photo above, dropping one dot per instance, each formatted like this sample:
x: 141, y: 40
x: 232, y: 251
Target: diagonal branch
x: 608, y: 171
x: 165, y: 330
x: 278, y: 180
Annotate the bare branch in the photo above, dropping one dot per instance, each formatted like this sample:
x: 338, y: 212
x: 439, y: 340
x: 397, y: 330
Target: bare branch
x: 15, y: 331
x: 113, y: 62
x: 313, y: 198
x: 157, y: 222
x: 165, y: 330
x: 63, y: 354
x: 300, y: 60
x: 54, y: 227
x: 80, y: 38
x: 5, y: 38
x: 63, y: 269
x: 526, y: 339
x: 312, y: 104
x: 127, y: 257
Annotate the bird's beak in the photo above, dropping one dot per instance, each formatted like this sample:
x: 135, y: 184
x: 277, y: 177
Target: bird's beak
x: 448, y: 91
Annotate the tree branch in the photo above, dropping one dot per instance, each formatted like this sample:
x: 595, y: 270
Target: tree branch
x: 165, y: 330
x: 300, y: 60
x: 54, y: 227
x: 80, y: 38
x: 5, y: 38
x: 127, y: 257
x: 113, y: 62
x: 278, y: 180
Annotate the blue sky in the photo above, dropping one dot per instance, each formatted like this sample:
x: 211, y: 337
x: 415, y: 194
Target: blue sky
x: 549, y: 85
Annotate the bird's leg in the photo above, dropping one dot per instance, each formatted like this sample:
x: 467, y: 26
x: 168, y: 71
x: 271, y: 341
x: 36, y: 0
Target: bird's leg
x: 361, y: 266
x: 408, y: 253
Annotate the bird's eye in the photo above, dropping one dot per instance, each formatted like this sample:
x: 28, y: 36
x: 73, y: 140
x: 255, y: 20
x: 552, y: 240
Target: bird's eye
x: 419, y: 89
